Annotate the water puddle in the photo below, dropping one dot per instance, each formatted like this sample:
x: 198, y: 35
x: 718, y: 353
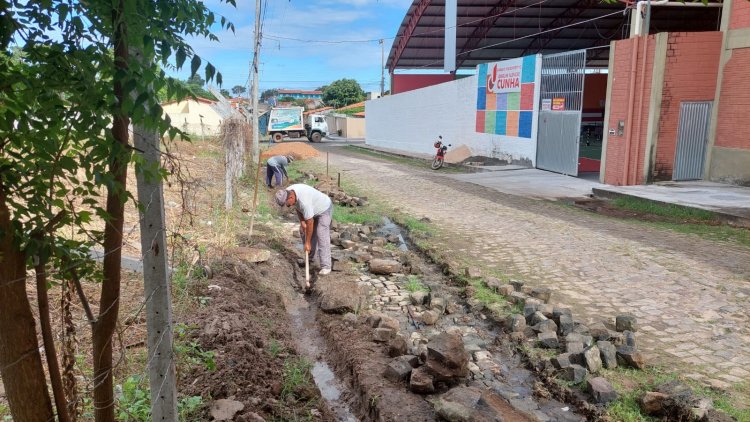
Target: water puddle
x: 390, y: 228
x: 310, y: 345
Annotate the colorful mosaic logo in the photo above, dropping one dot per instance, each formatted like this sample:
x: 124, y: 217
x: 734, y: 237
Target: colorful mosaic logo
x: 505, y: 97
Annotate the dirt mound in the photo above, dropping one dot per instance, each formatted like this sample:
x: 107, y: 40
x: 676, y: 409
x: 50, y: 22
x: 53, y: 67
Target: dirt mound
x: 299, y: 150
x: 246, y: 326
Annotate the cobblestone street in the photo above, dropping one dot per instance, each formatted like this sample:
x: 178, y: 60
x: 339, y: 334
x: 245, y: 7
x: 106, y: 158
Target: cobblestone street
x: 690, y: 294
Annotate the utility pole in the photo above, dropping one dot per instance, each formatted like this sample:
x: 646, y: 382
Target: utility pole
x: 382, y: 67
x: 256, y: 129
x: 156, y: 287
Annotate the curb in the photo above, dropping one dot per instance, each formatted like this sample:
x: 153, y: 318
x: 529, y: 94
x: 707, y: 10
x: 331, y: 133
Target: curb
x: 730, y: 219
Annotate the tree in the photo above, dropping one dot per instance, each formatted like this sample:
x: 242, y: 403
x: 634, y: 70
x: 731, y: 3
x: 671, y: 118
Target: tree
x: 286, y: 99
x: 343, y: 92
x: 224, y: 92
x: 269, y: 93
x: 196, y: 80
x: 67, y: 106
x: 238, y: 90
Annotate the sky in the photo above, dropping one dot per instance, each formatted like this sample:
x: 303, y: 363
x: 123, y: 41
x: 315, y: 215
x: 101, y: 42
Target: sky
x: 309, y: 63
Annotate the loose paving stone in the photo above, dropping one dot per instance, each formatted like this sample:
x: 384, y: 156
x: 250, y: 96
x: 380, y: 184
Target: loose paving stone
x: 418, y: 298
x: 383, y: 335
x: 397, y: 370
x: 446, y: 358
x: 458, y: 404
x: 536, y: 318
x: 546, y: 326
x: 430, y: 317
x: 384, y: 266
x: 629, y: 356
x: 608, y: 354
x: 224, y: 409
x: 599, y: 331
x: 574, y: 373
x: 493, y: 283
x: 561, y: 361
x: 565, y: 324
x: 438, y: 304
x: 397, y: 346
x: 542, y: 293
x: 515, y: 323
x: 629, y: 338
x: 517, y: 297
x: 420, y: 381
x: 389, y: 322
x: 601, y: 390
x: 626, y: 323
x: 505, y: 289
x: 592, y: 359
x: 574, y: 347
x: 473, y: 272
x: 548, y: 340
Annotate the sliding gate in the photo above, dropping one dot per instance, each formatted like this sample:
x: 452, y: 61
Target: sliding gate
x: 560, y: 111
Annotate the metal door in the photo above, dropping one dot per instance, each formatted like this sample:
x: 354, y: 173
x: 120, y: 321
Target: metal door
x: 560, y: 111
x: 692, y: 139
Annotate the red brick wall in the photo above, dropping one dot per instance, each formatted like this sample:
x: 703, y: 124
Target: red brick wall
x: 733, y: 124
x: 616, y: 148
x: 689, y: 75
x: 740, y: 14
x: 405, y: 82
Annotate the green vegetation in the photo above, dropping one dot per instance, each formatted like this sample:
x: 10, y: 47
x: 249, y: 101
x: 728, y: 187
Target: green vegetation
x: 5, y: 413
x: 414, y: 284
x: 356, y: 215
x: 135, y: 403
x: 296, y: 374
x: 670, y: 211
x: 408, y: 161
x: 485, y: 294
x: 351, y: 111
x: 189, y: 353
x: 275, y: 348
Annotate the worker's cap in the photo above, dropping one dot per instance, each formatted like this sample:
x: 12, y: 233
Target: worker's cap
x: 281, y: 197
x: 289, y: 158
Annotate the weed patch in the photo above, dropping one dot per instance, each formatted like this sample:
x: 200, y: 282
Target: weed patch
x: 296, y: 374
x: 671, y: 211
x: 414, y: 284
x: 356, y: 215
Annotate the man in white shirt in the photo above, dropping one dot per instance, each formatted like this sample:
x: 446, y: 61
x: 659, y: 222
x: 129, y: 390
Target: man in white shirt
x: 315, y: 211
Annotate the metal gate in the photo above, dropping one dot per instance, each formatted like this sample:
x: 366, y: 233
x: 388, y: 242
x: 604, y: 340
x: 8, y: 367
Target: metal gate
x: 560, y: 111
x: 692, y: 138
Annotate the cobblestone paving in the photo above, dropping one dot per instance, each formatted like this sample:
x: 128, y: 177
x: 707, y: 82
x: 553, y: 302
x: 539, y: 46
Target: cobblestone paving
x: 690, y: 295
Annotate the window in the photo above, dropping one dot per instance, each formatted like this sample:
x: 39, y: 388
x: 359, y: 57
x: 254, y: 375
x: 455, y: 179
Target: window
x: 318, y: 120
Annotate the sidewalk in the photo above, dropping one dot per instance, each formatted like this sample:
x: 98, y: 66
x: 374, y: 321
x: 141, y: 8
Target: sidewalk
x: 729, y: 201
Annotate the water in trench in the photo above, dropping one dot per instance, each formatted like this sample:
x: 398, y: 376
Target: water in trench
x: 310, y: 344
x: 390, y: 228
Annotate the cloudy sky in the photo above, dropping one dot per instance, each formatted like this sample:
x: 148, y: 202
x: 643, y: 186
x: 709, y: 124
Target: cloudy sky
x: 294, y: 54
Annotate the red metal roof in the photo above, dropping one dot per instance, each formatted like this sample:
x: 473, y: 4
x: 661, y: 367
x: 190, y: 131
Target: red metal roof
x: 492, y: 30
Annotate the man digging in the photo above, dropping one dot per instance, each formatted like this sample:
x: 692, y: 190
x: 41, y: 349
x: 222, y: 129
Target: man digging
x: 276, y: 167
x: 314, y: 210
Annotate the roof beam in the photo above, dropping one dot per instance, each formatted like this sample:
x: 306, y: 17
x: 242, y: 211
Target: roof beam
x: 481, y: 30
x: 408, y: 31
x: 565, y: 18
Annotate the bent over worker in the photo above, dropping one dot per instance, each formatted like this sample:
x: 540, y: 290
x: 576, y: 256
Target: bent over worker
x: 314, y: 210
x: 276, y: 167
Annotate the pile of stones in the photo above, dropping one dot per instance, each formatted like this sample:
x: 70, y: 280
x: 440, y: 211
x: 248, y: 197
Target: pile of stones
x: 361, y: 244
x: 338, y: 196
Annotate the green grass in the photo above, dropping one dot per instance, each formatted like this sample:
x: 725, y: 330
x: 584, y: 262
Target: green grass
x: 356, y: 215
x: 670, y: 211
x: 296, y: 373
x: 414, y: 284
x: 733, y: 402
x: 275, y: 347
x: 485, y: 294
x: 408, y: 161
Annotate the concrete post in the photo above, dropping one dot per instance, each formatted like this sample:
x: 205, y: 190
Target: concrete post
x: 449, y: 54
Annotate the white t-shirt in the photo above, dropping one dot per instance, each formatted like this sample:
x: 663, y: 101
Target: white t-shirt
x: 310, y: 201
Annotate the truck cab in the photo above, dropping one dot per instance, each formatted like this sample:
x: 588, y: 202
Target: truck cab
x: 316, y: 127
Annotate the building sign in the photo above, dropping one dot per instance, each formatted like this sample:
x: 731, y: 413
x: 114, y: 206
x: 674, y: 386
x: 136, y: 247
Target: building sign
x: 558, y: 104
x: 505, y: 76
x: 547, y: 104
x: 505, y: 97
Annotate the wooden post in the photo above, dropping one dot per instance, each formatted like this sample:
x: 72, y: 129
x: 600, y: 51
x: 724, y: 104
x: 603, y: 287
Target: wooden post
x: 339, y: 181
x: 326, y: 163
x: 161, y: 368
x: 255, y: 195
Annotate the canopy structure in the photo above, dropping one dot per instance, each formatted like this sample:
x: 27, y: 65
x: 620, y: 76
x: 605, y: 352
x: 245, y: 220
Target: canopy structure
x: 492, y: 30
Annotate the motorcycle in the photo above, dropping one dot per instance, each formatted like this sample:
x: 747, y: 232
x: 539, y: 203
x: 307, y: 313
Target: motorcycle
x: 439, y: 159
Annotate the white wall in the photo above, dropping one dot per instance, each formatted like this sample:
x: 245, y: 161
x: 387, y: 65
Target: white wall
x: 411, y: 122
x: 186, y: 115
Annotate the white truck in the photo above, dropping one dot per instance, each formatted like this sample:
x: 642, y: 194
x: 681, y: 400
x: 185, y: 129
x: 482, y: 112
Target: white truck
x: 289, y: 121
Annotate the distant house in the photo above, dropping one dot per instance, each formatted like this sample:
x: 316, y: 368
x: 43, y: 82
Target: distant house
x: 199, y: 116
x: 298, y: 94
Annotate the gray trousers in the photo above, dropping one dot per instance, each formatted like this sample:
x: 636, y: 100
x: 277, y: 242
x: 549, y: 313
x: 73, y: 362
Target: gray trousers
x: 321, y: 238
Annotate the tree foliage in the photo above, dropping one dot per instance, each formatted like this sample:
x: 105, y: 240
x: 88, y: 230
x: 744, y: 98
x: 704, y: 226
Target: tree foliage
x: 269, y: 93
x: 238, y: 90
x: 343, y: 92
x: 67, y: 95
